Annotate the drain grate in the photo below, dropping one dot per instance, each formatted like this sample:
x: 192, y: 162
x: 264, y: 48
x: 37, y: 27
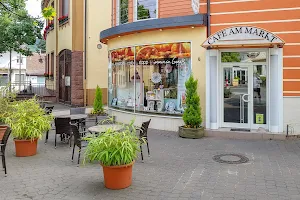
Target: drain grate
x: 231, y: 158
x: 240, y: 129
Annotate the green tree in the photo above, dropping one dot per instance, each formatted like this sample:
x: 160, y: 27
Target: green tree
x: 41, y: 45
x: 192, y: 113
x: 143, y: 13
x: 123, y: 11
x: 98, y: 105
x: 230, y: 57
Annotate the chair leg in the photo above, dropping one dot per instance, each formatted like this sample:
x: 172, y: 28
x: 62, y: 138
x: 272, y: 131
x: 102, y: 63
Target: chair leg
x: 2, y: 157
x: 55, y: 141
x: 47, y: 134
x: 4, y: 165
x: 79, y: 155
x: 141, y: 152
x: 73, y: 152
x: 70, y: 137
x: 148, y: 149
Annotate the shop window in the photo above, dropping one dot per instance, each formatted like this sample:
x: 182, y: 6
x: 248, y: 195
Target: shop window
x: 229, y: 57
x: 145, y: 9
x: 122, y: 12
x: 154, y: 82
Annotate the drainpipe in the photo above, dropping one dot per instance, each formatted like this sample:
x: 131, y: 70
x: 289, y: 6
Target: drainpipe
x: 208, y: 18
x: 85, y: 47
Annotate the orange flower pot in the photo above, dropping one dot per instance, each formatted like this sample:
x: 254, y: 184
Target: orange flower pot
x: 25, y: 147
x: 117, y: 177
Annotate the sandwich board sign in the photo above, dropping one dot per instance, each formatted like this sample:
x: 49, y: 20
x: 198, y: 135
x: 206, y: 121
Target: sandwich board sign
x: 195, y: 6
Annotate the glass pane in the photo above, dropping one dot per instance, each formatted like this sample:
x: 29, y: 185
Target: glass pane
x: 260, y: 94
x: 121, y: 86
x: 123, y: 11
x: 235, y: 95
x: 228, y: 57
x: 146, y: 9
x: 3, y: 79
x: 161, y: 73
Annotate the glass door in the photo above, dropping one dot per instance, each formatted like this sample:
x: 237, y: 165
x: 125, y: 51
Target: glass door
x: 237, y: 95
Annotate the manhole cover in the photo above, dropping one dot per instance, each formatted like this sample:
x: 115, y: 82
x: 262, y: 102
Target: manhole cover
x: 231, y: 158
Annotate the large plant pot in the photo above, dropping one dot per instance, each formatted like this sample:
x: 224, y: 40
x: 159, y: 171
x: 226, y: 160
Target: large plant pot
x: 25, y: 148
x: 117, y: 177
x: 193, y: 133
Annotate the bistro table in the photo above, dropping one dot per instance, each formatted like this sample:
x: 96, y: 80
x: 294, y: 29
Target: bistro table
x: 103, y: 128
x: 76, y: 118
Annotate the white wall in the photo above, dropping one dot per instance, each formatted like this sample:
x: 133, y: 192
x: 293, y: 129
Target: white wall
x: 291, y: 114
x: 4, y: 61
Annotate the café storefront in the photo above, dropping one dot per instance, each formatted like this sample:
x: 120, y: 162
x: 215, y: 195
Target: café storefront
x: 244, y: 81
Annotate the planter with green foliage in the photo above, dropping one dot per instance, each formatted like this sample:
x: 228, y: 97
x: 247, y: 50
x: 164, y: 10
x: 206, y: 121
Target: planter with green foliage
x: 192, y: 113
x: 116, y: 152
x: 98, y: 104
x: 28, y: 122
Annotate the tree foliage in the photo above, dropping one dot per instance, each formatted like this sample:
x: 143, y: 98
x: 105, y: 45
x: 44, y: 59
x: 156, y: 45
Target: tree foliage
x: 17, y: 28
x: 192, y: 113
x: 231, y: 57
x: 98, y: 105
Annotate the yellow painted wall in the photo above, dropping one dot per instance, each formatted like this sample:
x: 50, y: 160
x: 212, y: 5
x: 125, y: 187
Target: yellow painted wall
x: 196, y: 36
x: 98, y: 19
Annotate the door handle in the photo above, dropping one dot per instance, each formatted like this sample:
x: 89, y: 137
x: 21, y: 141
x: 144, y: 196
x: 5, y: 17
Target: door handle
x: 243, y: 98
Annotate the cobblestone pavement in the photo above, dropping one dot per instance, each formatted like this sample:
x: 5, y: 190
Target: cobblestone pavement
x: 177, y: 169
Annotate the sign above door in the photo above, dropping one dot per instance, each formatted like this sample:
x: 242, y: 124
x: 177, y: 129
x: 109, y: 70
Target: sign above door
x: 243, y: 36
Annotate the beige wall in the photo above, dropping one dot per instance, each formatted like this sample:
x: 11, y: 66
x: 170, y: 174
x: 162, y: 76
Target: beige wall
x: 99, y: 15
x: 196, y: 36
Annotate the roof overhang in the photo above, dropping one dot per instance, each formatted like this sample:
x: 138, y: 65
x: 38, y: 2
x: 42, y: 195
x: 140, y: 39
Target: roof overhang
x: 153, y: 24
x: 242, y: 36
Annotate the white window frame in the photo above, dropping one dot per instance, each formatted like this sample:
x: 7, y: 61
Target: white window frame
x: 118, y: 15
x: 135, y: 12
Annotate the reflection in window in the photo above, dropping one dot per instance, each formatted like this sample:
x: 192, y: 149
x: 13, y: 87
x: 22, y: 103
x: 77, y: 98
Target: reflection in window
x: 228, y: 57
x: 146, y: 9
x: 65, y: 7
x: 3, y: 79
x: 123, y: 11
x: 154, y: 82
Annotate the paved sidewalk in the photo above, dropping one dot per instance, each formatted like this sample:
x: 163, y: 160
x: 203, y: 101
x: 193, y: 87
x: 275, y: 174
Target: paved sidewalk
x: 177, y: 169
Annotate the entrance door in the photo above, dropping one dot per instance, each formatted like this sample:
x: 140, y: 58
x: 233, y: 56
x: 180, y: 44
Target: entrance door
x: 64, y: 76
x: 244, y: 100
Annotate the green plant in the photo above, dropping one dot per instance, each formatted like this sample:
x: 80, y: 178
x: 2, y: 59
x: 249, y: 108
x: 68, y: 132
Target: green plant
x: 98, y: 105
x: 114, y: 148
x: 227, y: 93
x: 6, y: 100
x: 236, y: 77
x: 28, y: 120
x: 192, y: 113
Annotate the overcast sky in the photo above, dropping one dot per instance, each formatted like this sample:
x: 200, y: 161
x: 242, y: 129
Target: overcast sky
x: 34, y: 7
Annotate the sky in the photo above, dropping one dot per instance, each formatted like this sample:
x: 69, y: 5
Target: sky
x: 34, y: 7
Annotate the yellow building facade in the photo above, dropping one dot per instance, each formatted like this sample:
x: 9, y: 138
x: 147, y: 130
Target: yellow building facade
x: 76, y: 60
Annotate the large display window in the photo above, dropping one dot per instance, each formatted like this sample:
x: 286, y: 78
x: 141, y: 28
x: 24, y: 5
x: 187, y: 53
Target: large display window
x: 150, y: 78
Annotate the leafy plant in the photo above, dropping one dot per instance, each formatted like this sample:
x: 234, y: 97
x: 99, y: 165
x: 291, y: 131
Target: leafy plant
x: 192, y: 113
x: 6, y: 100
x: 236, y: 77
x: 227, y: 93
x: 114, y: 148
x: 28, y: 120
x: 98, y: 105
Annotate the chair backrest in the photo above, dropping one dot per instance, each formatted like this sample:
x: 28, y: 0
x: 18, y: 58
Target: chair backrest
x: 144, y: 129
x: 49, y: 109
x: 74, y: 111
x: 63, y: 125
x: 76, y: 134
x: 5, y: 138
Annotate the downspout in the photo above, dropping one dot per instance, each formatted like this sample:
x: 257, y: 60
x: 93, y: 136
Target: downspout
x: 208, y: 18
x: 85, y: 47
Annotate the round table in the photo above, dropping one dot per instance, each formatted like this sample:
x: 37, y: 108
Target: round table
x: 74, y: 117
x: 103, y: 128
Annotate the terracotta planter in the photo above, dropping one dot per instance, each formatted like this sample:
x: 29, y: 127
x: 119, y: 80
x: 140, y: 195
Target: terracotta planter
x: 117, y: 177
x: 193, y: 133
x: 25, y: 148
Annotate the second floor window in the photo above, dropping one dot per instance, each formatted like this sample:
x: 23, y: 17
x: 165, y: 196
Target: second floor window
x: 65, y: 7
x: 145, y: 9
x: 123, y: 11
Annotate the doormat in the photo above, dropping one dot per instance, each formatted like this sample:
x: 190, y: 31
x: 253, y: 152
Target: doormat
x: 240, y: 129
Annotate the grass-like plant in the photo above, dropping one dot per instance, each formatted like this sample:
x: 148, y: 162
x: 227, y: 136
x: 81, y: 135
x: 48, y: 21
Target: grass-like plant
x: 192, y: 113
x: 98, y: 105
x: 6, y: 100
x: 28, y: 120
x: 114, y: 148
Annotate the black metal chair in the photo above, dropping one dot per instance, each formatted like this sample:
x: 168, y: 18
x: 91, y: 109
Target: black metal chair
x: 3, y: 143
x: 49, y: 109
x: 144, y: 134
x: 77, y: 141
x: 63, y: 128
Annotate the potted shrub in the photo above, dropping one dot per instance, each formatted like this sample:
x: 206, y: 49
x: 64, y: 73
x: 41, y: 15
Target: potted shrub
x: 28, y: 122
x: 116, y: 151
x: 235, y: 81
x: 192, y: 113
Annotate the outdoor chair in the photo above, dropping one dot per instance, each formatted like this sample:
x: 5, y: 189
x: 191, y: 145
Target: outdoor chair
x: 77, y: 141
x: 79, y: 110
x: 3, y: 143
x: 144, y: 134
x: 63, y: 128
x: 49, y: 109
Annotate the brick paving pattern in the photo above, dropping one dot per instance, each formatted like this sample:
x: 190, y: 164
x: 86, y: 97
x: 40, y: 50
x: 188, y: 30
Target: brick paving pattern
x: 178, y: 169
